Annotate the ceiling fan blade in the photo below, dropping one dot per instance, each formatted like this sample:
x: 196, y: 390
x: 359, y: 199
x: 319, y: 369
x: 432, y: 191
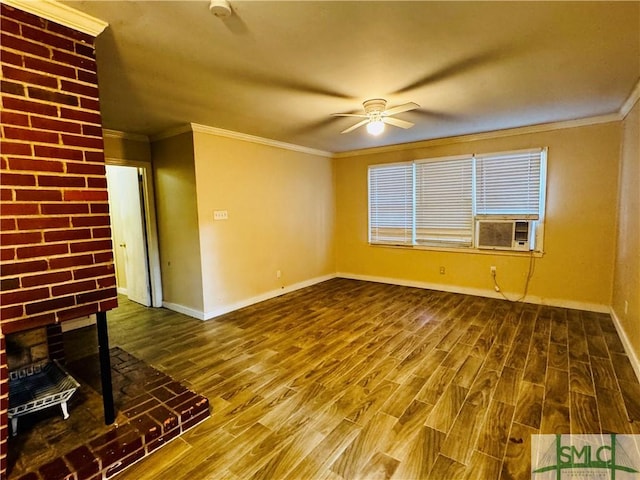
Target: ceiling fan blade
x: 361, y: 115
x: 357, y: 125
x: 405, y: 107
x: 396, y: 122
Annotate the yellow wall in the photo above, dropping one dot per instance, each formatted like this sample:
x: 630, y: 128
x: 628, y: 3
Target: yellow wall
x: 626, y: 284
x: 577, y: 267
x: 177, y: 217
x: 280, y: 205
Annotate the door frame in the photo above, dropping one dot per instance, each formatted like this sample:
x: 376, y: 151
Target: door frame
x: 150, y: 223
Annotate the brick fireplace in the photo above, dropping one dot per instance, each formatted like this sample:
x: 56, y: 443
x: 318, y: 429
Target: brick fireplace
x: 56, y: 252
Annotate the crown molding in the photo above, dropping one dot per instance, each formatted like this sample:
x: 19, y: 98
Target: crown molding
x: 260, y: 140
x: 631, y: 100
x: 542, y: 127
x: 138, y: 137
x: 62, y: 14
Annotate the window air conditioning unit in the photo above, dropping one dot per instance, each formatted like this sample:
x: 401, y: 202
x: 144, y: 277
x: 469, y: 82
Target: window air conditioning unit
x: 504, y: 235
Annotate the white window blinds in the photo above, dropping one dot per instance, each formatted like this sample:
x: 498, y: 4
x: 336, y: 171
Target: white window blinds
x: 391, y: 203
x: 509, y: 184
x: 444, y: 202
x: 436, y: 202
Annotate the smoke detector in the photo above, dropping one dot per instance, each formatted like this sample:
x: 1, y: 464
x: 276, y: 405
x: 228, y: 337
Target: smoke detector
x: 220, y: 8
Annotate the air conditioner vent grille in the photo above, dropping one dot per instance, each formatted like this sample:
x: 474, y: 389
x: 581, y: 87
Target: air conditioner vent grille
x: 504, y: 234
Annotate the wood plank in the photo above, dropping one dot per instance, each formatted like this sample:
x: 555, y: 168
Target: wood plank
x: 397, y: 403
x: 288, y: 457
x: 421, y: 455
x: 254, y: 414
x: 380, y: 467
x: 557, y: 387
x: 614, y: 344
x: 494, y: 435
x: 433, y: 389
x: 597, y: 346
x: 517, y: 458
x: 373, y: 438
x: 624, y: 370
x: 483, y: 387
x: 585, y: 417
x: 483, y: 467
x: 371, y: 403
x: 559, y: 327
x: 408, y: 426
x: 555, y: 419
x: 631, y: 396
x: 613, y: 416
x: 517, y: 356
x: 508, y: 386
x: 529, y: 407
x: 446, y: 409
x: 496, y: 356
x: 555, y: 410
x: 216, y: 462
x: 580, y: 378
x: 536, y: 366
x: 446, y: 469
x: 467, y: 372
x: 558, y: 356
x: 327, y: 451
x: 463, y: 436
x: 152, y: 468
x: 603, y: 374
x: 578, y: 349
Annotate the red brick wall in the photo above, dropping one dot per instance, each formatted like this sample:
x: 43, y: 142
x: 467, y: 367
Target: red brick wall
x: 55, y: 240
x: 4, y: 405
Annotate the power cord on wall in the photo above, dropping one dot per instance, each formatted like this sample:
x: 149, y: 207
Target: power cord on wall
x: 532, y: 262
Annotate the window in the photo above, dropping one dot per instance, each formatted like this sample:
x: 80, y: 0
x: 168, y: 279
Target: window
x: 437, y: 202
x: 391, y: 203
x: 444, y: 202
x: 509, y: 184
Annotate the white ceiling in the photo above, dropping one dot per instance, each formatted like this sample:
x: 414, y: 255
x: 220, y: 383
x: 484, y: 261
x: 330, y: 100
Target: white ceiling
x: 278, y: 69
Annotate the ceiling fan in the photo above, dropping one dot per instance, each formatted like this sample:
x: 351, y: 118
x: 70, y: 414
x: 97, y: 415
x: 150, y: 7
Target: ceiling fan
x: 375, y: 116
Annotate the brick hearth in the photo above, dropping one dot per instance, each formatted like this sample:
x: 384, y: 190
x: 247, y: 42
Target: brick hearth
x: 154, y: 410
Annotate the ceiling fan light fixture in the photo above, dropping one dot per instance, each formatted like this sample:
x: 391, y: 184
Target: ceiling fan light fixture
x: 220, y: 8
x: 375, y: 127
x: 376, y: 115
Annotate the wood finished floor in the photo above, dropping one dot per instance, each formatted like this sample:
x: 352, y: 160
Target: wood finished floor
x: 350, y: 379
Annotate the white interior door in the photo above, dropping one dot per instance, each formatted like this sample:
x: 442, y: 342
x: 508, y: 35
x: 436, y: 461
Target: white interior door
x: 128, y: 233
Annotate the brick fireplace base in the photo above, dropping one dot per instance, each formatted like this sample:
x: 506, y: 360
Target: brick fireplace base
x: 153, y: 409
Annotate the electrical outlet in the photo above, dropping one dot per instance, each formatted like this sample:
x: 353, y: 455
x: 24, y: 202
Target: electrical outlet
x: 220, y: 215
x: 442, y: 270
x: 493, y: 270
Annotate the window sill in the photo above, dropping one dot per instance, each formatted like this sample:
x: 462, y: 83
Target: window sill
x: 473, y: 251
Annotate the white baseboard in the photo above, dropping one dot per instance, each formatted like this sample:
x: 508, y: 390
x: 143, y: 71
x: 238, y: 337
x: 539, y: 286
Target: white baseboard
x: 200, y: 315
x: 479, y: 292
x: 265, y: 296
x: 123, y: 291
x: 190, y: 312
x: 626, y: 343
